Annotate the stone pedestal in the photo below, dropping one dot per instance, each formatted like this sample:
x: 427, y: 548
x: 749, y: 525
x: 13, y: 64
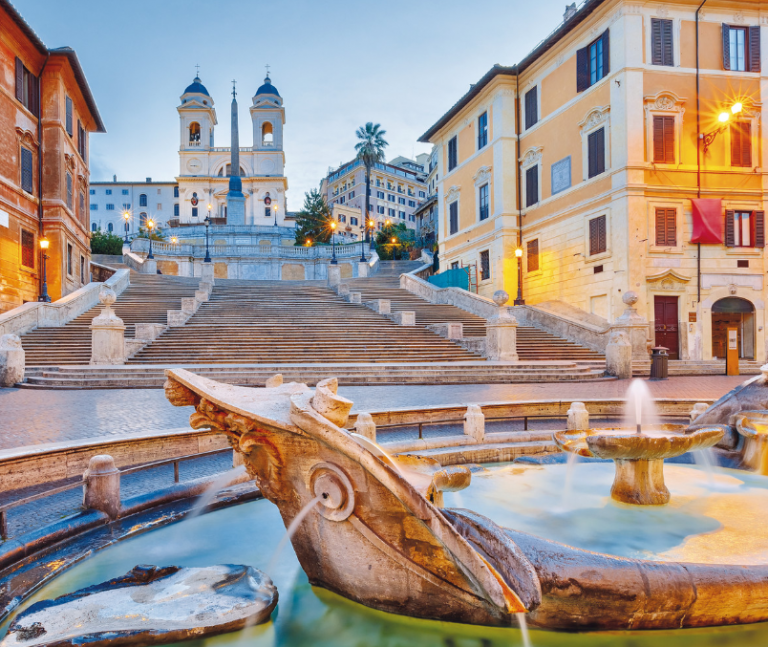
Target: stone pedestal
x: 205, y: 286
x: 405, y: 318
x: 635, y: 327
x: 355, y: 297
x: 206, y: 274
x: 133, y: 346
x: 474, y: 423
x: 149, y: 266
x: 342, y: 289
x: 450, y: 330
x: 365, y: 426
x: 150, y: 331
x: 190, y: 305
x: 618, y: 355
x: 334, y: 275
x: 363, y: 269
x: 102, y: 486
x: 578, y: 416
x: 12, y: 360
x: 177, y: 318
x: 501, y: 335
x: 107, y: 332
x: 382, y: 306
x: 201, y: 295
x: 235, y: 208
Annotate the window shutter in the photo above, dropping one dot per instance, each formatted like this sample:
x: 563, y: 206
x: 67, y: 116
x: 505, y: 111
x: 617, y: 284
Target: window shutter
x: 19, y: 79
x: 729, y: 233
x: 533, y: 255
x: 668, y: 52
x: 661, y: 227
x: 582, y: 69
x: 726, y: 47
x: 600, y: 150
x: 746, y: 143
x: 735, y: 144
x: 26, y: 170
x: 601, y: 238
x: 532, y: 186
x: 593, y: 237
x: 669, y: 140
x: 606, y: 52
x: 658, y: 140
x: 671, y: 226
x: 592, y: 155
x: 657, y: 52
x: 758, y: 217
x: 754, y: 49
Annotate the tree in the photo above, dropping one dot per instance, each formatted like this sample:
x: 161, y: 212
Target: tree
x: 393, y: 241
x: 313, y: 221
x: 370, y: 150
x: 157, y: 233
x: 105, y: 242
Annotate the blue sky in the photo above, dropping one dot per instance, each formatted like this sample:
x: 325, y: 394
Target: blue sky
x: 336, y: 63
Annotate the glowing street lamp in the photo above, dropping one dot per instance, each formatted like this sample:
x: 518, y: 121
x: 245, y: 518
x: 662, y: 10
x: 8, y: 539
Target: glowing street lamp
x: 519, y: 301
x: 724, y: 117
x: 150, y: 227
x: 274, y: 207
x: 309, y: 242
x: 174, y: 240
x: 333, y: 244
x: 207, y: 221
x: 44, y: 291
x: 126, y: 217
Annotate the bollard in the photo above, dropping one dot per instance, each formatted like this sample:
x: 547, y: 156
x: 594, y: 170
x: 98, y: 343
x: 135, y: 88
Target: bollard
x: 101, y: 489
x: 365, y: 426
x: 474, y: 423
x: 698, y: 409
x: 578, y: 416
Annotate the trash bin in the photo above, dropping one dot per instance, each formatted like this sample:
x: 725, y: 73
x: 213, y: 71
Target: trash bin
x: 659, y: 363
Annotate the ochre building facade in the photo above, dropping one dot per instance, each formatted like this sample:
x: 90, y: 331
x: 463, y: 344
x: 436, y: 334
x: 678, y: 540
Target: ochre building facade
x: 590, y: 156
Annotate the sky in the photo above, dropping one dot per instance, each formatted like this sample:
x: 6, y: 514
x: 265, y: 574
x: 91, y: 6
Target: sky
x: 336, y: 63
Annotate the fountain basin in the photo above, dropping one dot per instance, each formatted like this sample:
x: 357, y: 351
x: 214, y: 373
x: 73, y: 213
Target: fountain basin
x: 753, y: 427
x: 639, y: 458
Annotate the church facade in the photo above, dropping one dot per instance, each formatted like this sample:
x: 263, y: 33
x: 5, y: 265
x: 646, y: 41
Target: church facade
x: 206, y: 170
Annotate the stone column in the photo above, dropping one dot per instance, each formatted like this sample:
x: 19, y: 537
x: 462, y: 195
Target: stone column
x: 635, y: 326
x: 334, y: 275
x: 501, y: 339
x: 102, y: 486
x: 12, y: 360
x: 362, y: 269
x: 618, y: 355
x: 149, y: 266
x: 474, y: 423
x: 107, y: 332
x: 206, y: 275
x: 578, y: 416
x: 365, y: 426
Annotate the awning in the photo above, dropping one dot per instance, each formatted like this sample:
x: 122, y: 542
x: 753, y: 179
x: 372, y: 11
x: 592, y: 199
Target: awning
x: 707, y: 222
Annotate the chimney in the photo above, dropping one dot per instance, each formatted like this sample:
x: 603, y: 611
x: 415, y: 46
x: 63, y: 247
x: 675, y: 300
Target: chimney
x: 570, y: 12
x: 114, y: 178
x: 149, y: 179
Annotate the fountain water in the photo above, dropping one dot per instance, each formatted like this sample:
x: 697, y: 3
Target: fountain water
x: 523, y: 629
x: 219, y: 483
x: 291, y: 530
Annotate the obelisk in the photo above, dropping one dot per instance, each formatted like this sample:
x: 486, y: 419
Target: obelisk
x: 235, y: 197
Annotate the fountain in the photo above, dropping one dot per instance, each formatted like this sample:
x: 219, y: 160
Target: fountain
x: 638, y: 453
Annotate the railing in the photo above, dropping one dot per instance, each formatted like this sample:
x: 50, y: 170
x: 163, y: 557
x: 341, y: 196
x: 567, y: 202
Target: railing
x: 195, y: 229
x: 350, y: 250
x: 79, y: 484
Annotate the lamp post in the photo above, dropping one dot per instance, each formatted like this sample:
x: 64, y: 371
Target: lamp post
x: 44, y: 292
x: 363, y: 259
x: 371, y: 226
x: 174, y: 240
x: 126, y: 217
x: 333, y: 244
x: 207, y: 221
x: 519, y: 301
x: 274, y: 208
x: 150, y: 227
x: 394, y: 248
x: 724, y: 117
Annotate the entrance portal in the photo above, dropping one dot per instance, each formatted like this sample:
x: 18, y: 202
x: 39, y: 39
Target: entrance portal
x: 733, y: 312
x: 665, y: 325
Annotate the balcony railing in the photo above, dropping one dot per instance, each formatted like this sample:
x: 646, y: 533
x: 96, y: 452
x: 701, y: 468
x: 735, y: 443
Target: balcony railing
x: 351, y: 250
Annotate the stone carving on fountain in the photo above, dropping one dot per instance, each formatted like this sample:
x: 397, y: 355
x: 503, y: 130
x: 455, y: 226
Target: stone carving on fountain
x: 375, y: 532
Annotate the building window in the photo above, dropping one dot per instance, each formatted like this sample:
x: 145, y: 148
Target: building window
x: 108, y: 191
x: 391, y: 213
x: 353, y: 221
x: 532, y: 186
x: 93, y: 226
x: 69, y: 190
x: 745, y: 229
x: 26, y: 170
x: 411, y: 203
x: 143, y: 219
x: 194, y: 212
x: 412, y: 218
x: 664, y: 140
x: 143, y: 200
x: 176, y: 210
x: 82, y: 269
x: 194, y: 133
x: 453, y: 212
x: 351, y: 194
x: 82, y: 205
x: 69, y: 116
x: 390, y: 197
x: 455, y: 265
x: 176, y: 192
x: 26, y: 87
x: 453, y: 153
x: 110, y: 207
x: 94, y: 206
x: 342, y: 200
x: 401, y: 200
x: 380, y: 210
x: 124, y: 191
x: 483, y: 202
x: 532, y: 255
x: 593, y: 62
x: 81, y: 139
x: 531, y: 107
x: 342, y: 218
x: 380, y: 195
x: 159, y: 206
x: 92, y: 191
x: 597, y: 236
x: 596, y: 152
x: 401, y: 215
x: 126, y: 206
x: 110, y: 227
x: 485, y: 265
x: 482, y: 130
x: 666, y: 227
x: 69, y: 259
x: 661, y: 42
x: 422, y: 194
x: 741, y: 49
x: 741, y: 144
x: 27, y: 249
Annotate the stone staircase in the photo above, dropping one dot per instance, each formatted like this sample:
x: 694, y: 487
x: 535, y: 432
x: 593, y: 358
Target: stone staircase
x: 533, y: 344
x: 146, y: 300
x: 690, y: 367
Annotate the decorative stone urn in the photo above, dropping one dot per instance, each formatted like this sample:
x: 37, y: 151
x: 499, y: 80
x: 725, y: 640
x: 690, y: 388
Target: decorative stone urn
x: 501, y: 335
x: 107, y: 332
x: 639, y: 458
x: 634, y: 325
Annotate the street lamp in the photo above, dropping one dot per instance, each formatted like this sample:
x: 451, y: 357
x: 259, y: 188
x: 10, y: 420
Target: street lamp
x: 274, y: 207
x: 724, y: 117
x: 150, y: 227
x: 371, y: 226
x: 394, y: 248
x: 174, y: 240
x: 207, y: 221
x: 309, y: 242
x: 333, y: 244
x: 363, y: 240
x: 44, y: 292
x: 519, y: 301
x: 126, y: 217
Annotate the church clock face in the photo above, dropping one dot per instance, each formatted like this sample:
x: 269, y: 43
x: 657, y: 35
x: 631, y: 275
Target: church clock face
x: 194, y: 165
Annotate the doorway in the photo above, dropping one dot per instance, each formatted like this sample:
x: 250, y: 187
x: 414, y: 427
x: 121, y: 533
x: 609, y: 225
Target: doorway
x: 733, y: 312
x: 666, y: 324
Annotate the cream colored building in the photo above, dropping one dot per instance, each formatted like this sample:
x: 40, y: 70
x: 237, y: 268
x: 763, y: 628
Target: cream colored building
x: 597, y: 183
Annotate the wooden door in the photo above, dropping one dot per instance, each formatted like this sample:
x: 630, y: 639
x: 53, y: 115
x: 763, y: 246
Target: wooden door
x: 666, y: 324
x: 721, y: 321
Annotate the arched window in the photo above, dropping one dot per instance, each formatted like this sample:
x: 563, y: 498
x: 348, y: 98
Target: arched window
x: 143, y: 200
x: 267, y: 137
x: 110, y: 228
x: 142, y: 219
x: 93, y: 226
x: 194, y: 133
x: 228, y: 171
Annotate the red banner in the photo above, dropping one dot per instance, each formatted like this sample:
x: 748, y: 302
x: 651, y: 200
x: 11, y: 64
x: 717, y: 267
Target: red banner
x: 707, y: 222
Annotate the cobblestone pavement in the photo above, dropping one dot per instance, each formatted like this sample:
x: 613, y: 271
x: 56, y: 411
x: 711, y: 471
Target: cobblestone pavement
x: 31, y: 417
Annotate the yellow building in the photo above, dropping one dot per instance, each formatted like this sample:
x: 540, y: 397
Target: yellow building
x: 589, y: 155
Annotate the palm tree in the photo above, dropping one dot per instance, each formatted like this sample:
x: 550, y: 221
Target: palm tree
x: 370, y: 150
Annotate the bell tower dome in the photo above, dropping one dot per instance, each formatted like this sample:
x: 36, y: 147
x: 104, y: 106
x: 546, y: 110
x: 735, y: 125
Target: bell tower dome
x: 268, y: 117
x: 197, y: 117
